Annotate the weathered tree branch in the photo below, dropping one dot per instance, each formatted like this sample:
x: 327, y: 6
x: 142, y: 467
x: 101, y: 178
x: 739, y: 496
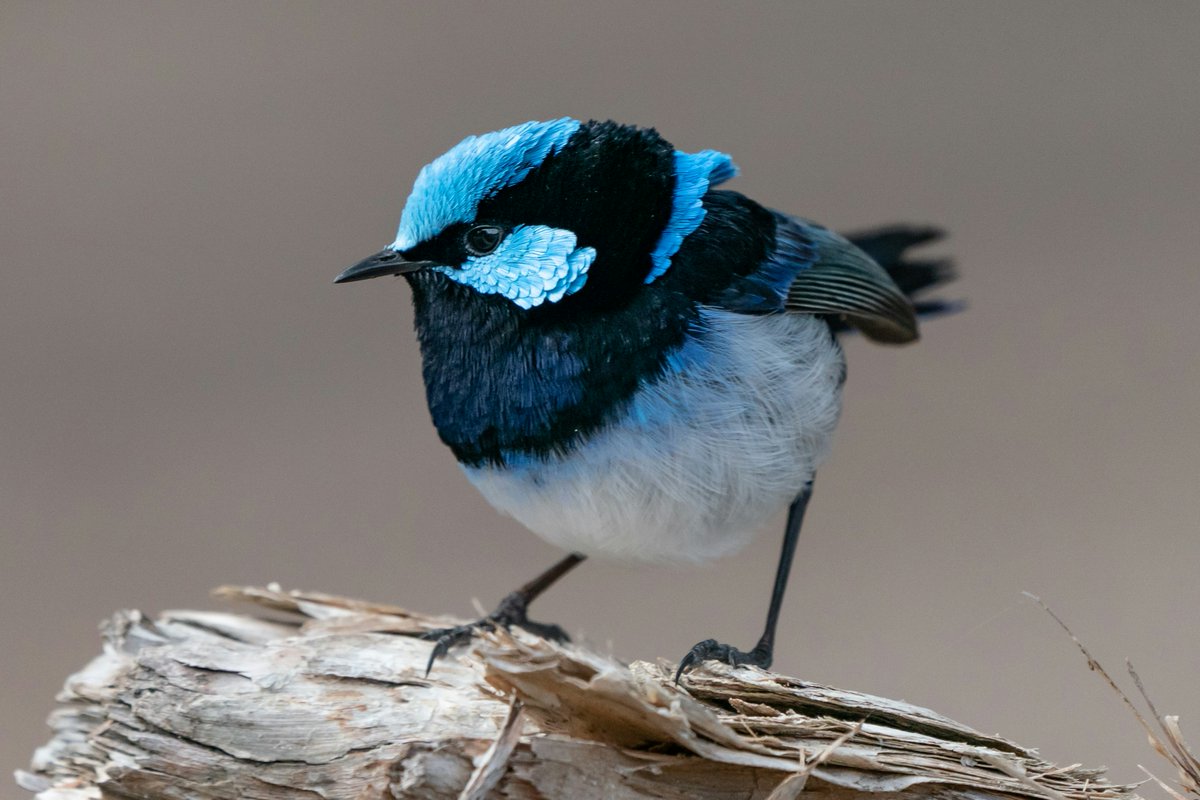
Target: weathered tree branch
x: 327, y: 701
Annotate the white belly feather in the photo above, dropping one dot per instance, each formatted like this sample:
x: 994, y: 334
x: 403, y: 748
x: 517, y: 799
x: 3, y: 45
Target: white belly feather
x: 701, y: 458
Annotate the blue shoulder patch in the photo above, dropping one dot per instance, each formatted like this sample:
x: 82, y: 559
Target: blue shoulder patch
x: 450, y: 188
x: 694, y: 174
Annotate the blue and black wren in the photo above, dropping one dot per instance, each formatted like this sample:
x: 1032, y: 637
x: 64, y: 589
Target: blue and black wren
x: 627, y: 359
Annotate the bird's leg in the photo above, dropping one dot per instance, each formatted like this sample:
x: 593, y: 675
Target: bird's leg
x: 511, y: 611
x: 761, y: 655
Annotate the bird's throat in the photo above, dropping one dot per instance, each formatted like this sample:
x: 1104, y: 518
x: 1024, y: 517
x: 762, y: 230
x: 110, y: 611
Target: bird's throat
x: 504, y: 384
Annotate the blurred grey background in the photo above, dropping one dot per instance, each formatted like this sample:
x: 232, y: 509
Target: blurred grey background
x: 187, y: 400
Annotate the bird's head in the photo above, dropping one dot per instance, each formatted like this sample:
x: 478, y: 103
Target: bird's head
x: 544, y: 211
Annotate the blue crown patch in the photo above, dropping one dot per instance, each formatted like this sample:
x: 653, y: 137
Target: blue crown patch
x: 450, y: 188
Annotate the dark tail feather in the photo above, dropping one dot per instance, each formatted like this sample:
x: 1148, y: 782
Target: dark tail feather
x: 888, y: 246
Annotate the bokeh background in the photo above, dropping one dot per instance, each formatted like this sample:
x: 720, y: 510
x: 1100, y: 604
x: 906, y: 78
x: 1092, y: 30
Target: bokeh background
x: 187, y: 400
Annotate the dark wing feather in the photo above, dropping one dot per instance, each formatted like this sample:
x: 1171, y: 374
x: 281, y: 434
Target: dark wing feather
x: 843, y: 282
x: 888, y: 247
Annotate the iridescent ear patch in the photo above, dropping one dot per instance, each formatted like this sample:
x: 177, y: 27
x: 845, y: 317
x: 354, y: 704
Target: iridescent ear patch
x: 534, y: 264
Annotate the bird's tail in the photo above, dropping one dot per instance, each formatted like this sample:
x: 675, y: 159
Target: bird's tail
x: 889, y: 245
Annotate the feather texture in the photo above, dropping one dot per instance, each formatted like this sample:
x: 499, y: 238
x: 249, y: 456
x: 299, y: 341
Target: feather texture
x: 534, y: 264
x: 845, y: 282
x: 450, y: 188
x: 695, y: 173
x: 701, y: 457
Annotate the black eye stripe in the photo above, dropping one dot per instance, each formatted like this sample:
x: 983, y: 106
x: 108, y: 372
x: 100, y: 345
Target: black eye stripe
x: 482, y: 239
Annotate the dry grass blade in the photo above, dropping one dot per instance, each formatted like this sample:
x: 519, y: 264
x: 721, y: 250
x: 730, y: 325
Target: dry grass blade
x: 1168, y: 741
x: 1166, y: 787
x: 1179, y: 754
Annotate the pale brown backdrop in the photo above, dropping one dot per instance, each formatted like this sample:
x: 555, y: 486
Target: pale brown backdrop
x: 187, y: 400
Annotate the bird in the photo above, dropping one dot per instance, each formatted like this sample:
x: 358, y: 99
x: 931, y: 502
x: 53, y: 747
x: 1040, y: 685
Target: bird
x: 631, y: 362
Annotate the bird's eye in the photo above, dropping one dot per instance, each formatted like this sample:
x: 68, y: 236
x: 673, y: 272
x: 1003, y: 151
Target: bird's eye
x: 482, y: 239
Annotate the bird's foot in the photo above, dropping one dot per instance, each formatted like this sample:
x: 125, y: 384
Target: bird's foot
x: 510, y: 612
x: 712, y: 650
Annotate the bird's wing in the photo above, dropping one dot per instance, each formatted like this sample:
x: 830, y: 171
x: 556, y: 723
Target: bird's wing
x: 835, y: 278
x: 888, y: 247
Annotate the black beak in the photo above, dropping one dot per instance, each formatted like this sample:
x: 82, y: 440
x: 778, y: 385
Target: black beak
x: 385, y: 262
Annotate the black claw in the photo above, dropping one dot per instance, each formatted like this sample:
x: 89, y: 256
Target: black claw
x: 510, y: 612
x: 712, y: 650
x: 445, y: 638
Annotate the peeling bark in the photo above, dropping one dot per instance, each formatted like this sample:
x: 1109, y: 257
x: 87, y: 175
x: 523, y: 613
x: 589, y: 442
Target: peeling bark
x: 330, y: 702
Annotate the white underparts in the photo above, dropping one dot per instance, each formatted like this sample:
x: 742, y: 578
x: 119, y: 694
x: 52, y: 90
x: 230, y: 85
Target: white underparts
x: 701, y: 458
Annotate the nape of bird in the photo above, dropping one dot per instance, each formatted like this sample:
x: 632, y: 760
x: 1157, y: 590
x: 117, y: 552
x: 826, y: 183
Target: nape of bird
x: 630, y: 361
